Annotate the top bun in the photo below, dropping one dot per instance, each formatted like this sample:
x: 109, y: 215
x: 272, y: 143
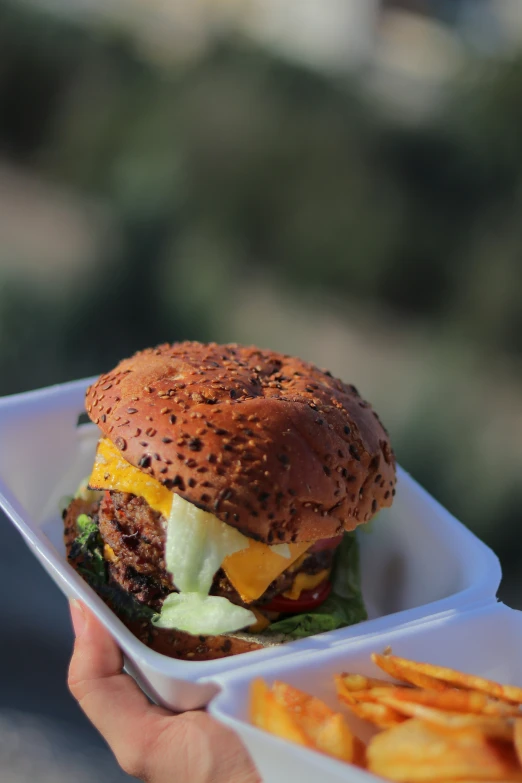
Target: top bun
x: 270, y: 444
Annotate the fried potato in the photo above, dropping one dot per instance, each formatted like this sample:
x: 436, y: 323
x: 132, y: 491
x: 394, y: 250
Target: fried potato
x: 266, y: 713
x: 335, y: 738
x: 327, y: 730
x: 495, y: 727
x: 357, y: 682
x: 379, y: 714
x: 517, y: 738
x: 280, y: 721
x: 390, y: 665
x: 450, y: 699
x: 439, y: 725
x: 445, y: 676
x: 303, y: 719
x: 301, y: 703
x: 419, y: 751
x: 257, y: 707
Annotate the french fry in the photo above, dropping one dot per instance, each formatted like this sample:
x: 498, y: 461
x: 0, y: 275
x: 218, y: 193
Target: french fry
x: 299, y: 717
x: 257, y: 711
x: 495, y: 727
x: 451, y: 699
x: 327, y: 730
x: 357, y: 682
x: 280, y: 721
x: 418, y: 751
x: 390, y: 665
x: 439, y: 725
x: 445, y: 676
x: 266, y: 713
x: 378, y: 714
x: 517, y: 739
x: 302, y: 704
x: 335, y: 738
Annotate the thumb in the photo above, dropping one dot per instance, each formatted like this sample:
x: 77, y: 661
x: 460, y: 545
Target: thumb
x: 111, y: 699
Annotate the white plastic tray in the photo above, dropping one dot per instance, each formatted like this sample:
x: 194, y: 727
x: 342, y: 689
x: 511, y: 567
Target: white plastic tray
x: 417, y: 560
x: 486, y: 641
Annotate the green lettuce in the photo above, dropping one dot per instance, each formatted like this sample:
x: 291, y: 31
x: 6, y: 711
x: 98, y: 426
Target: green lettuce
x: 88, y: 549
x: 345, y: 604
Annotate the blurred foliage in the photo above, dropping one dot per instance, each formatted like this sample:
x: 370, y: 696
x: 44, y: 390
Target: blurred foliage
x: 240, y: 164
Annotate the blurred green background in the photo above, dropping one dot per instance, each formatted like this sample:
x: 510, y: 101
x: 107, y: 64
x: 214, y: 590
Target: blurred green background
x: 338, y: 179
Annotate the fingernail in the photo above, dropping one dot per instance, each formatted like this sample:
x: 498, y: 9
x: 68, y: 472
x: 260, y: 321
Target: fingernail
x: 77, y: 617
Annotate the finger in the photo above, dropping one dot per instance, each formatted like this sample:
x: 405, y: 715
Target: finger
x: 111, y: 699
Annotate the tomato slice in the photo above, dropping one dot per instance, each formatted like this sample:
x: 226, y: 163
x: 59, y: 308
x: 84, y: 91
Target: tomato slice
x: 326, y: 543
x: 308, y: 600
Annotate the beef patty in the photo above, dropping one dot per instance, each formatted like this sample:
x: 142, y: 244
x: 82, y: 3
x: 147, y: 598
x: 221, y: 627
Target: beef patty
x: 135, y: 537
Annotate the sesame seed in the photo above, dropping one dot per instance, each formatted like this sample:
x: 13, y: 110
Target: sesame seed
x: 107, y: 386
x: 132, y: 410
x: 353, y: 451
x: 178, y: 482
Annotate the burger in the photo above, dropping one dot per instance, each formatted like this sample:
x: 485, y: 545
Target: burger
x: 220, y: 512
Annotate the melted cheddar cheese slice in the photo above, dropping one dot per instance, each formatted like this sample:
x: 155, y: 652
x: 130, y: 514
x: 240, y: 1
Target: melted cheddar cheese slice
x: 304, y: 581
x: 250, y: 571
x: 111, y: 471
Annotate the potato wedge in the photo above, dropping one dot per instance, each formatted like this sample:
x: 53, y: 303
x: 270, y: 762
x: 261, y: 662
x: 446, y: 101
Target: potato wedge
x: 419, y: 751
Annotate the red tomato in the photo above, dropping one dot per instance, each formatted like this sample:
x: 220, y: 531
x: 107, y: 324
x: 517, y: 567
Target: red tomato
x: 326, y: 543
x: 308, y: 600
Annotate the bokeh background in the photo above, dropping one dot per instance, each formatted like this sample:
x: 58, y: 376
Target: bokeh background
x: 340, y: 179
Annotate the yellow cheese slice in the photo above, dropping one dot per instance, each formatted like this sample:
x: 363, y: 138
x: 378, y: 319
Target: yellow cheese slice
x: 251, y: 570
x: 306, y: 582
x: 112, y: 471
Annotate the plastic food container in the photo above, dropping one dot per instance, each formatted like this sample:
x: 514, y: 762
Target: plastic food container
x: 417, y: 560
x: 486, y: 641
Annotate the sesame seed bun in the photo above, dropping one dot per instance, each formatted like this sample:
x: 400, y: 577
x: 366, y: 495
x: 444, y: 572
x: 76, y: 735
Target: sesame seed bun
x: 268, y: 443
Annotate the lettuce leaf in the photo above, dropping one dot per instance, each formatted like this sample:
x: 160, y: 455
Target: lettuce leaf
x: 345, y: 604
x: 197, y: 614
x: 88, y: 549
x: 197, y: 543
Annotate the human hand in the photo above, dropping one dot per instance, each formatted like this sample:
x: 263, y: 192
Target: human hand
x: 148, y: 741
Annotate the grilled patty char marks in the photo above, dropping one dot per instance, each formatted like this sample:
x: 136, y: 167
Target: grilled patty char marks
x: 136, y: 536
